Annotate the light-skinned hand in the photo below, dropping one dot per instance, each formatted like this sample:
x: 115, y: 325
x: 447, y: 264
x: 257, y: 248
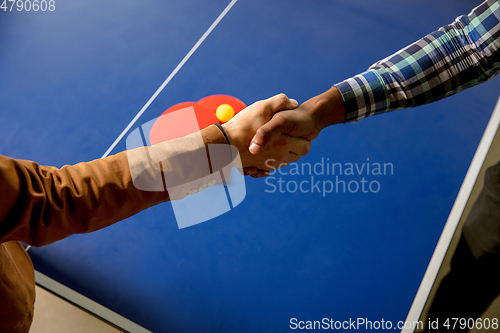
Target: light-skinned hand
x: 279, y: 150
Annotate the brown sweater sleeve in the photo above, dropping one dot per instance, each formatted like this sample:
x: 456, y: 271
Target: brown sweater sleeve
x: 41, y: 204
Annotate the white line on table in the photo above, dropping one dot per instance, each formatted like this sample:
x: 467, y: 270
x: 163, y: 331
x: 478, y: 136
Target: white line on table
x: 169, y: 78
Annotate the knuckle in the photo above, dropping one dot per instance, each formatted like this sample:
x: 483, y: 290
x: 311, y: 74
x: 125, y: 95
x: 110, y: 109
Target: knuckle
x: 279, y: 119
x: 282, y: 98
x: 287, y: 123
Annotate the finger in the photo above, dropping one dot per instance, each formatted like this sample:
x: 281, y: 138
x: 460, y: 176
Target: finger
x: 287, y: 159
x: 291, y: 157
x: 278, y: 103
x: 260, y: 174
x: 298, y: 146
x: 248, y: 171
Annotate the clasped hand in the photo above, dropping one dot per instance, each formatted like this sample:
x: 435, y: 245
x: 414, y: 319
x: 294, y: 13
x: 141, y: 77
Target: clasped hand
x: 275, y: 132
x: 281, y: 148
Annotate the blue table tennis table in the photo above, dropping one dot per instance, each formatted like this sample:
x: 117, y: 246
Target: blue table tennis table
x: 77, y: 80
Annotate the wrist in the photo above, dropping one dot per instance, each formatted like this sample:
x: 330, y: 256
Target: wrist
x: 327, y: 108
x: 224, y: 133
x: 231, y: 133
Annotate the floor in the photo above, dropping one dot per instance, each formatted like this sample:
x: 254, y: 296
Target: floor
x: 53, y: 314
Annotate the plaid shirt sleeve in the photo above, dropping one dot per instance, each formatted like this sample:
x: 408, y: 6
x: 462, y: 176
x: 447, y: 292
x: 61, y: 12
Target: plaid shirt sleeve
x: 449, y: 60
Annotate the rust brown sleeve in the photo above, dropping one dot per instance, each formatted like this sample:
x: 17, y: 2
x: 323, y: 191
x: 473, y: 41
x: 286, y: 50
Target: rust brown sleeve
x: 42, y: 204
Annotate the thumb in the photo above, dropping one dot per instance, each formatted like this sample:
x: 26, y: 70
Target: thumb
x: 278, y: 103
x: 265, y: 134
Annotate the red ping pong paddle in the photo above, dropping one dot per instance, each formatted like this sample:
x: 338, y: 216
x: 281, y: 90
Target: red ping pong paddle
x: 171, y: 128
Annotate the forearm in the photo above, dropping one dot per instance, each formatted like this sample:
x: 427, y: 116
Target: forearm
x: 327, y: 108
x: 43, y: 204
x: 447, y: 61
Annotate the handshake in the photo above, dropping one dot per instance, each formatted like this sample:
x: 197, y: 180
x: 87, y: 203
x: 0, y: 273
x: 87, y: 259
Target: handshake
x: 268, y: 135
x: 272, y: 133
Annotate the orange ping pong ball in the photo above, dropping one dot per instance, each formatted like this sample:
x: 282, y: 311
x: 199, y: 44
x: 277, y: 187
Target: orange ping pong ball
x: 224, y: 112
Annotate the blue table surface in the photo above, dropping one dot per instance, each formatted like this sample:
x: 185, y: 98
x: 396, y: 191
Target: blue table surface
x: 72, y: 80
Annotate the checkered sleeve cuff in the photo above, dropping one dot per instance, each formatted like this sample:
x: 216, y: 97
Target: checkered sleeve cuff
x: 364, y: 95
x: 449, y: 60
